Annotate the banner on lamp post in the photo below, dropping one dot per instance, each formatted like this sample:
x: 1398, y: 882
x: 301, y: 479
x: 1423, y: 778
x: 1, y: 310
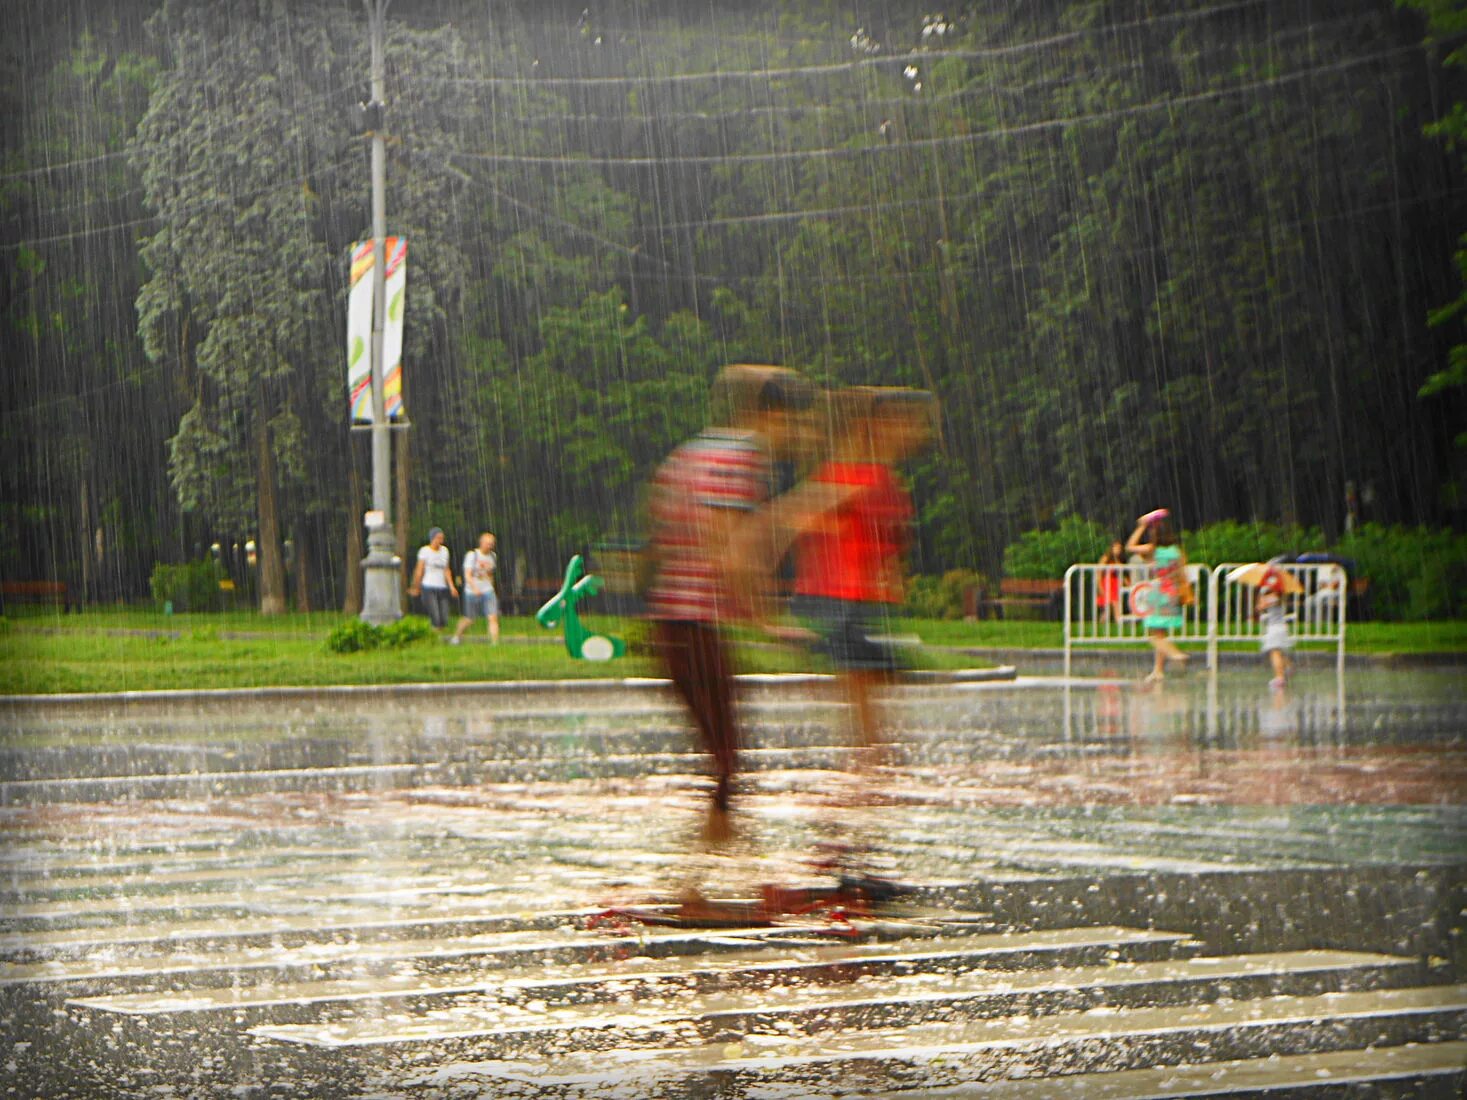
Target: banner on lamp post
x: 359, y: 330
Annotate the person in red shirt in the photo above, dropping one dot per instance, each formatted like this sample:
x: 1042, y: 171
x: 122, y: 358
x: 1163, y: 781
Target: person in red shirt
x: 849, y: 558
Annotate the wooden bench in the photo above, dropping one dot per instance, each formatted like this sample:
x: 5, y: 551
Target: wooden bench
x: 51, y: 592
x: 1047, y: 595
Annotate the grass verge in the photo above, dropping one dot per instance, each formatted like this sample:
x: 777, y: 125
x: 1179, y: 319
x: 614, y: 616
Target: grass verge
x: 135, y: 650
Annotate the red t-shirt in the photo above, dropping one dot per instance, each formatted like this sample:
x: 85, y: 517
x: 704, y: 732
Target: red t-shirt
x: 852, y: 557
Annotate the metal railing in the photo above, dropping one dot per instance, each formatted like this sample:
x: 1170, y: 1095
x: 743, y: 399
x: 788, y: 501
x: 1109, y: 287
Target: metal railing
x: 1103, y: 605
x: 1315, y: 614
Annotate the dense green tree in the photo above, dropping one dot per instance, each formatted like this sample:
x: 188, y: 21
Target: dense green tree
x: 236, y: 155
x: 1181, y: 256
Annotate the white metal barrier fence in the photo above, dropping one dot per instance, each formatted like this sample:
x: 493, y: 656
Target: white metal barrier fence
x: 1315, y: 613
x: 1105, y: 605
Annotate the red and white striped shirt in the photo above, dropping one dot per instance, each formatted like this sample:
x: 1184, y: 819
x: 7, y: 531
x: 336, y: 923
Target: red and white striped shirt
x: 718, y: 469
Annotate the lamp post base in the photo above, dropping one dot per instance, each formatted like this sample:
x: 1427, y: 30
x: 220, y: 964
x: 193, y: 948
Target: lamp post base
x: 382, y: 576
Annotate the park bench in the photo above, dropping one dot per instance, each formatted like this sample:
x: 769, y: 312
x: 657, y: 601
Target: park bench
x: 1043, y: 594
x: 49, y: 592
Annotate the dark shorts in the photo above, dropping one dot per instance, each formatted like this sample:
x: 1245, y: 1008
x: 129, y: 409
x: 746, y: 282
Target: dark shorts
x: 437, y: 604
x: 847, y: 632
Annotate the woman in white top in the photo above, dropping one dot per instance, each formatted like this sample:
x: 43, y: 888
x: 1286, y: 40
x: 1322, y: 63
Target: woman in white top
x: 433, y: 579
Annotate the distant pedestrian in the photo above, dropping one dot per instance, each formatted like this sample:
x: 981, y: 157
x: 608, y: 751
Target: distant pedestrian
x: 1108, y: 583
x: 1169, y: 590
x: 480, y: 601
x: 1277, y: 642
x: 433, y: 579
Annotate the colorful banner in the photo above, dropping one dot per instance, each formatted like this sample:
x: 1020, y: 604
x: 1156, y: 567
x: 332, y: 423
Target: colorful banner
x: 359, y: 329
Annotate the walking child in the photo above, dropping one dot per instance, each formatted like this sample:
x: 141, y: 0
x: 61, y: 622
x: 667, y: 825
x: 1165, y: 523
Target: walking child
x: 1277, y: 642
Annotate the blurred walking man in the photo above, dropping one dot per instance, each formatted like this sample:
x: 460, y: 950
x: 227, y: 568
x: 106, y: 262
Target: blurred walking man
x: 702, y: 500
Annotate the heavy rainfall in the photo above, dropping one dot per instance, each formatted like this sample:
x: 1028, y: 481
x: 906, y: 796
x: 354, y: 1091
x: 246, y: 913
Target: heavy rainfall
x: 770, y: 549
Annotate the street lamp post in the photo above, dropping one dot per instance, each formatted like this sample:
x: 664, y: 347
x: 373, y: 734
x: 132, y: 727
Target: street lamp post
x: 381, y: 599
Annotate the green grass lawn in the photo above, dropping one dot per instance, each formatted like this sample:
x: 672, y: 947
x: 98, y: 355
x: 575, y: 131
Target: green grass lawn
x: 139, y: 650
x: 131, y: 649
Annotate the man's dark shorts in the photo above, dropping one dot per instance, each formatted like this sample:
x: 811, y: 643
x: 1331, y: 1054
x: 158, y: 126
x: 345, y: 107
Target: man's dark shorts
x: 848, y: 631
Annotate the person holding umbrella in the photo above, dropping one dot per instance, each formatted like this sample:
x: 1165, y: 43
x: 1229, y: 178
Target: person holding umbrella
x: 1274, y: 585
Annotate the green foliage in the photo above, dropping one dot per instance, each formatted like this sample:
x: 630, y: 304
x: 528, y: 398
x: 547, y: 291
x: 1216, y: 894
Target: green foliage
x: 1415, y: 572
x: 1446, y: 20
x: 355, y: 636
x: 1226, y: 541
x: 409, y: 630
x: 942, y: 597
x: 1046, y: 554
x: 192, y: 586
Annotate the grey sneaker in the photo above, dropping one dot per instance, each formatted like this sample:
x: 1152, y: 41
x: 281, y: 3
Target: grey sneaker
x: 453, y: 640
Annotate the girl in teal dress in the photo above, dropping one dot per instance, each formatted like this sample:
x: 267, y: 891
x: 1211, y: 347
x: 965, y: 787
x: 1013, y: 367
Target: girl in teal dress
x: 1155, y: 540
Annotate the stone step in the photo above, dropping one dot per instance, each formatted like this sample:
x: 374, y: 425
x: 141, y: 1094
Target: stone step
x: 745, y: 964
x: 567, y: 947
x: 463, y: 865
x: 1059, y: 1047
x: 21, y: 881
x: 489, y: 1026
x: 241, y: 904
x: 144, y: 942
x: 1418, y: 1071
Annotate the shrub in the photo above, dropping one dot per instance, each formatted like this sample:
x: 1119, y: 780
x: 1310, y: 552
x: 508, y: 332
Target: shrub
x: 192, y: 586
x: 942, y: 597
x: 355, y: 636
x: 1415, y: 572
x: 1232, y: 541
x: 923, y: 600
x: 405, y: 632
x: 1045, y: 555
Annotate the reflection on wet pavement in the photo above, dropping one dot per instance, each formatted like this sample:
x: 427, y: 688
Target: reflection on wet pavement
x: 298, y: 866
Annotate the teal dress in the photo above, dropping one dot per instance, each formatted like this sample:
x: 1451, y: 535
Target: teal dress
x: 1167, y: 611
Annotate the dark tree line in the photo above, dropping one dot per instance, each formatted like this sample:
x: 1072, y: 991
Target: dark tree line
x: 1186, y: 256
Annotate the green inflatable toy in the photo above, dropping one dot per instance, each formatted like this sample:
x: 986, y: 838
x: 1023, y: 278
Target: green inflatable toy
x: 560, y: 609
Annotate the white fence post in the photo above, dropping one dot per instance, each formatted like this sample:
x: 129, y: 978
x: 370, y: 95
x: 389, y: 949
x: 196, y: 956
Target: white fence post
x: 1317, y: 614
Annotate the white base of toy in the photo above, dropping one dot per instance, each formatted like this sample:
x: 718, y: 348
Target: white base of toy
x: 597, y: 648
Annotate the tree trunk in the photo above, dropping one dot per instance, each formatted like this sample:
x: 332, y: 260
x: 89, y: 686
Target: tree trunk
x: 87, y: 544
x: 271, y: 560
x: 401, y: 516
x: 356, y: 548
x: 302, y: 570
